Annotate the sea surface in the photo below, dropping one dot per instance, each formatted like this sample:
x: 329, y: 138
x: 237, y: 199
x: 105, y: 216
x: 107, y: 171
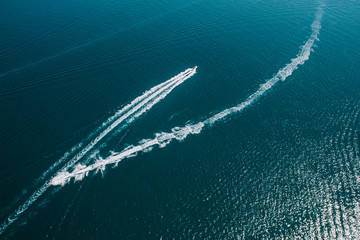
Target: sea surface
x: 261, y: 141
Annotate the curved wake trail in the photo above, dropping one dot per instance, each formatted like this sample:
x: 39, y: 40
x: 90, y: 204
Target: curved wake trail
x: 134, y: 113
x: 126, y: 115
x: 118, y: 114
x: 121, y: 116
x: 180, y: 133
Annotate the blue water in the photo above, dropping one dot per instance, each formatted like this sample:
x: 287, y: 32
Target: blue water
x: 288, y: 166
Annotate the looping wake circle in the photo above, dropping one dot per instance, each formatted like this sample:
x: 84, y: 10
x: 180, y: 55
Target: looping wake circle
x: 162, y: 139
x: 77, y: 171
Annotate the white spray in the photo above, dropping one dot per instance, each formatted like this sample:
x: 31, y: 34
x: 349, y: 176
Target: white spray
x: 128, y: 114
x: 180, y: 133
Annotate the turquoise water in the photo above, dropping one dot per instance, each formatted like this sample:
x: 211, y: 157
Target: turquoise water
x: 285, y: 166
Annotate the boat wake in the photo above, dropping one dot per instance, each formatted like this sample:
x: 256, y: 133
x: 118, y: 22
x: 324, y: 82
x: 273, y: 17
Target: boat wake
x: 121, y: 119
x: 72, y: 169
x: 162, y: 139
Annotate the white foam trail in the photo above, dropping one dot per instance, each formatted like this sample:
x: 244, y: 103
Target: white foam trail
x: 128, y: 114
x: 134, y: 111
x: 180, y: 133
x: 119, y: 113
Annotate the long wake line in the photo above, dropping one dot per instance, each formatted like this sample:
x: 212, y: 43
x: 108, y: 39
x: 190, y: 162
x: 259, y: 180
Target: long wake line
x: 122, y: 119
x: 104, y: 124
x: 180, y: 133
x: 121, y: 116
x: 142, y: 104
